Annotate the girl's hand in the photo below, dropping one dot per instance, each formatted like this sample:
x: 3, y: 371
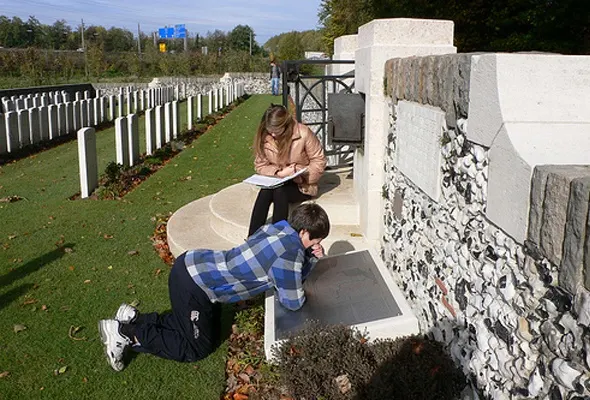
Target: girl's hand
x: 283, y: 173
x: 317, y: 250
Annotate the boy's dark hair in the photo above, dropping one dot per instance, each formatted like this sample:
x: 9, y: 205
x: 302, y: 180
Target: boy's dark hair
x: 312, y: 218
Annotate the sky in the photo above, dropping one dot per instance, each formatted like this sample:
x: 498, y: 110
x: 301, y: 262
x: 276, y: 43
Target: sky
x: 266, y: 17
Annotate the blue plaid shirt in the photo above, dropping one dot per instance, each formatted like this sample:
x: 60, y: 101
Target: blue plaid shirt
x: 272, y: 257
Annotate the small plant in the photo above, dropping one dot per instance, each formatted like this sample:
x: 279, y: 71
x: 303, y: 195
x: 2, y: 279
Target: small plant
x: 113, y: 172
x: 313, y: 364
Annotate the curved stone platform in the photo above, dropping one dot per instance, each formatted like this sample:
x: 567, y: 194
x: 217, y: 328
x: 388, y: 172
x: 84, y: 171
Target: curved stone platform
x: 220, y: 221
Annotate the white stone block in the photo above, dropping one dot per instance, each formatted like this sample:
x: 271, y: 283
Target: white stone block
x: 526, y: 88
x: 122, y: 141
x: 87, y: 161
x: 210, y: 98
x: 86, y: 94
x: 515, y: 152
x: 120, y: 102
x: 112, y: 107
x: 103, y: 109
x: 90, y: 106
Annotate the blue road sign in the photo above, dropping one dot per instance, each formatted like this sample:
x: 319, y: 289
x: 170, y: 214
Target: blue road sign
x: 176, y: 32
x: 180, y: 31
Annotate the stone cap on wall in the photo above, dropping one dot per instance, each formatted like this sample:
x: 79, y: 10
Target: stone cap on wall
x: 406, y: 32
x: 345, y: 44
x: 515, y: 152
x: 526, y: 88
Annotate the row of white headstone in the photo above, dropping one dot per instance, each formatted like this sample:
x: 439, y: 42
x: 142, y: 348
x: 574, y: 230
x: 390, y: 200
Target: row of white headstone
x: 162, y: 125
x: 22, y: 127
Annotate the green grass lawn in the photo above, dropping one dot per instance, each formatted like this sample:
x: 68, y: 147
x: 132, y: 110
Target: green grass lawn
x: 49, y: 290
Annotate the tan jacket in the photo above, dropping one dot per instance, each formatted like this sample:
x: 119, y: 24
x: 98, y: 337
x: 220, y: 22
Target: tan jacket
x: 306, y: 151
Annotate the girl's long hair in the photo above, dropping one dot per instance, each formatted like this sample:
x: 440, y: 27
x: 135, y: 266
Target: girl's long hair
x: 276, y: 117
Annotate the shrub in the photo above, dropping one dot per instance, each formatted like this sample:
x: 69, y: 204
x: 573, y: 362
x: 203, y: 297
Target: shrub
x: 406, y: 368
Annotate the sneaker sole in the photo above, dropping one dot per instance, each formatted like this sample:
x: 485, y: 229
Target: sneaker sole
x: 104, y: 335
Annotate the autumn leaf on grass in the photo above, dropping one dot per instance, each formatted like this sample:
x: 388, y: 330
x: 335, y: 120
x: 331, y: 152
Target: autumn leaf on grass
x: 133, y: 252
x: 72, y: 332
x: 107, y: 236
x: 60, y: 371
x: 29, y: 301
x: 19, y: 328
x: 4, y: 374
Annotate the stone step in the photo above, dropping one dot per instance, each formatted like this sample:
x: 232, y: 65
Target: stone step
x: 231, y: 207
x: 190, y: 228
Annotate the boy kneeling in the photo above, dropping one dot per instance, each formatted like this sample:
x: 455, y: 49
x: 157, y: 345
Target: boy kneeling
x: 280, y: 255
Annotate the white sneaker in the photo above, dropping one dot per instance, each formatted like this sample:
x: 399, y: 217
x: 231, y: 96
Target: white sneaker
x: 126, y: 314
x: 114, y: 342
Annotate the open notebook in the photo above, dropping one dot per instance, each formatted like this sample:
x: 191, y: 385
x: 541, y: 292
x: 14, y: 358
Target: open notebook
x: 271, y: 182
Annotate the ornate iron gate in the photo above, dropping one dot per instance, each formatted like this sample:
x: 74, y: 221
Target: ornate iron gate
x: 309, y: 92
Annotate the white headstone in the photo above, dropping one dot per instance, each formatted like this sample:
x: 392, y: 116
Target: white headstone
x: 87, y: 161
x: 122, y: 141
x: 44, y: 123
x: 69, y: 118
x: 34, y: 125
x: 135, y: 101
x: 133, y: 135
x: 84, y: 120
x: 78, y: 96
x: 3, y: 144
x: 175, y: 119
x: 44, y: 100
x: 112, y: 103
x: 12, y: 143
x: 90, y: 107
x: 37, y: 101
x: 129, y: 104
x: 210, y: 98
x: 61, y: 119
x: 77, y: 110
x: 102, y: 101
x: 86, y: 94
x: 97, y: 115
x: 120, y: 102
x: 24, y: 128
x: 190, y: 105
x: 53, y: 122
x: 160, y: 127
x: 28, y: 102
x: 150, y: 131
x: 199, y: 106
x: 168, y: 122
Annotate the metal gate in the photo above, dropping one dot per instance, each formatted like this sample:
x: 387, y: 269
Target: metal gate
x: 309, y: 91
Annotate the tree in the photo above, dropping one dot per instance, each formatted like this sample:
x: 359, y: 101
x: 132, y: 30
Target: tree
x: 240, y: 38
x: 57, y: 34
x: 117, y: 39
x: 290, y: 47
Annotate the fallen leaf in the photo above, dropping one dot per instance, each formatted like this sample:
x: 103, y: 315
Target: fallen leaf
x: 10, y: 237
x: 44, y: 307
x: 68, y: 249
x: 4, y: 374
x: 106, y: 236
x: 158, y: 271
x: 133, y: 253
x: 85, y: 380
x: 87, y: 281
x: 110, y: 267
x: 60, y: 371
x: 19, y: 328
x: 72, y: 332
x: 134, y: 303
x: 239, y: 396
x: 353, y: 234
x: 71, y: 267
x: 30, y: 301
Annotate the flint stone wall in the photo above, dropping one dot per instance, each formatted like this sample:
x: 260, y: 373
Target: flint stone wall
x: 500, y: 306
x: 254, y: 83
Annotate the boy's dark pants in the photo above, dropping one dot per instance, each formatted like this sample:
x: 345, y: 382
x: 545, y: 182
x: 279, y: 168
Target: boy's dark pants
x: 191, y: 331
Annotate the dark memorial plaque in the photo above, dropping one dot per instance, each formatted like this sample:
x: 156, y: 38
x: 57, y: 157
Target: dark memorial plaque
x: 347, y: 289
